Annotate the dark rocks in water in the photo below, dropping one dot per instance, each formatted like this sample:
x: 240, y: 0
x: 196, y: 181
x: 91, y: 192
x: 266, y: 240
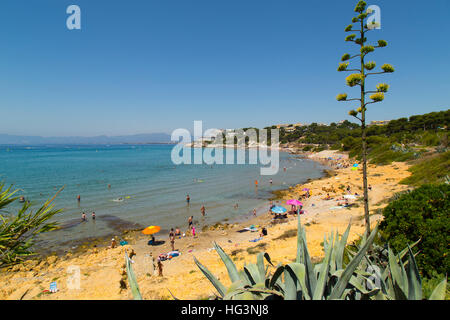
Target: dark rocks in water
x: 70, y: 223
x: 118, y: 224
x: 113, y: 222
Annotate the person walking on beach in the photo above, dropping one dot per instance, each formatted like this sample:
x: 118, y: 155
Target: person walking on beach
x: 203, y: 210
x: 172, y: 239
x: 193, y: 231
x: 254, y: 212
x: 160, y: 268
x: 113, y: 243
x: 152, y: 265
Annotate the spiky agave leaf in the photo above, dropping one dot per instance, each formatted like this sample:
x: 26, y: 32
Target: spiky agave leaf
x: 214, y: 281
x: 439, y: 292
x: 341, y: 285
x: 231, y: 267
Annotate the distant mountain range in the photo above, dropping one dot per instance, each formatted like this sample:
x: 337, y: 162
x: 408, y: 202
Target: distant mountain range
x: 7, y: 139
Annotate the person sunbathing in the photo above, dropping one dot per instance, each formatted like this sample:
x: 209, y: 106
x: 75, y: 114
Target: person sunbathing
x: 327, y: 197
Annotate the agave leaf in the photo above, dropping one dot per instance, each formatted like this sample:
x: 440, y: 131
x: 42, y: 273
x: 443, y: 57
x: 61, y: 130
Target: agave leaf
x: 414, y: 279
x: 215, y: 282
x: 399, y: 294
x: 439, y: 292
x: 405, y: 251
x: 254, y: 274
x: 323, y: 276
x: 232, y: 289
x: 404, y: 278
x: 309, y: 268
x: 231, y: 267
x: 340, y: 247
x: 260, y: 264
x: 298, y: 258
x: 276, y: 276
x: 394, y: 268
x: 258, y: 291
x: 299, y: 270
x: 338, y: 290
x: 290, y: 285
x: 266, y: 255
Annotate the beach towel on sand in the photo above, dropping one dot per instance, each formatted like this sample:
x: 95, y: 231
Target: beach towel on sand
x: 255, y: 240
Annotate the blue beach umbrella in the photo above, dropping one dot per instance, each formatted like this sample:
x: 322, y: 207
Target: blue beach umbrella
x: 279, y: 209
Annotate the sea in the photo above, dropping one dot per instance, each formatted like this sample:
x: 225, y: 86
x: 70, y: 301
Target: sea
x: 135, y: 186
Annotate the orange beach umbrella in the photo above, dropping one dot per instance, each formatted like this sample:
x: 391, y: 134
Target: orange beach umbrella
x: 151, y: 230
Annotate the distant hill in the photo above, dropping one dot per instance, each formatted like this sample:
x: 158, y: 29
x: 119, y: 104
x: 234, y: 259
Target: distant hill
x: 7, y: 139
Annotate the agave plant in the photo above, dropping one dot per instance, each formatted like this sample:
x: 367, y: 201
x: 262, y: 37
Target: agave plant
x: 302, y: 280
x: 362, y: 278
x: 395, y: 279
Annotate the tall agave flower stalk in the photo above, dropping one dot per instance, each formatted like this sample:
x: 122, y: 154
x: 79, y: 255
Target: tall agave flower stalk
x: 359, y: 78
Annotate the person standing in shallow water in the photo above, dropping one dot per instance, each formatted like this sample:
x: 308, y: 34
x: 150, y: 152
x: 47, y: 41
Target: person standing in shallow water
x: 203, y: 210
x: 188, y: 199
x: 190, y: 222
x: 83, y: 216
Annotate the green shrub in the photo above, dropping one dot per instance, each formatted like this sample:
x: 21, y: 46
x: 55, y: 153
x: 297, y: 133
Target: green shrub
x: 421, y: 214
x: 429, y: 170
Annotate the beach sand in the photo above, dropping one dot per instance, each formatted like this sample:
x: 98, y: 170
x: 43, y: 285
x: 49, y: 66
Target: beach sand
x: 101, y: 268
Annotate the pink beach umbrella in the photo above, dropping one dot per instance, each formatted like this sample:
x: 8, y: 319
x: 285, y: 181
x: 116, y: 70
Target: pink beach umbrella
x: 294, y: 202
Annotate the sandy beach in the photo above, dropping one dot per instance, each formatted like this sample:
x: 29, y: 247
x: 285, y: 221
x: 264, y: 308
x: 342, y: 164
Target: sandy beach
x: 101, y: 269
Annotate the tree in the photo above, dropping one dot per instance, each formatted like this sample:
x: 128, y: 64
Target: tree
x: 359, y: 79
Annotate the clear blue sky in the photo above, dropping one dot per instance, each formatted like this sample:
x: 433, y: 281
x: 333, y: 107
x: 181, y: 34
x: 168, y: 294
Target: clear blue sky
x: 143, y: 66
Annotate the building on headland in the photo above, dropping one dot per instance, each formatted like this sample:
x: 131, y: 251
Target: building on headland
x: 378, y: 122
x: 290, y: 127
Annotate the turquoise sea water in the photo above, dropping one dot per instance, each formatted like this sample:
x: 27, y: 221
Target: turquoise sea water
x: 153, y: 188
